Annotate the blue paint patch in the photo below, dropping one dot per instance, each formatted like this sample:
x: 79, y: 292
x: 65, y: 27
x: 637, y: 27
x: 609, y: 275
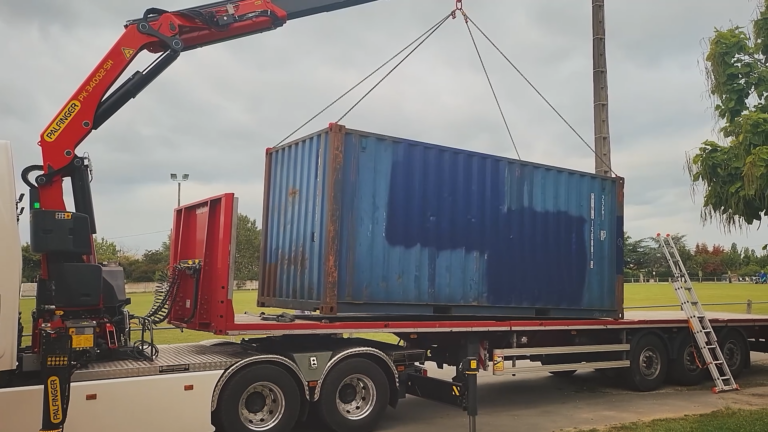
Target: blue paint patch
x: 532, y: 257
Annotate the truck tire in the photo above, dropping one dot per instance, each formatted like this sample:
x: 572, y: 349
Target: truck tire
x: 261, y: 397
x: 735, y: 349
x: 648, y: 364
x: 353, y: 396
x: 685, y: 368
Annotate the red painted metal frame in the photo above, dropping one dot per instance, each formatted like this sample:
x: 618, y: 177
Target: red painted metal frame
x: 203, y: 233
x: 75, y: 120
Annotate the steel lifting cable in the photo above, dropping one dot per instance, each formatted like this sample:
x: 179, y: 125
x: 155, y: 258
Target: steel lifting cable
x: 460, y: 8
x: 429, y: 32
x: 433, y: 30
x: 541, y: 95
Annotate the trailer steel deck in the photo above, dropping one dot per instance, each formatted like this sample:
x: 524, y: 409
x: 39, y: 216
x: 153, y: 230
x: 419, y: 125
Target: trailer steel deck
x: 254, y: 325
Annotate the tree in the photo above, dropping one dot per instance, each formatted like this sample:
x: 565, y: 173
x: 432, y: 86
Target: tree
x: 748, y: 256
x: 732, y: 260
x: 148, y: 267
x: 709, y: 262
x: 734, y: 175
x: 106, y: 251
x: 248, y: 249
x: 30, y: 264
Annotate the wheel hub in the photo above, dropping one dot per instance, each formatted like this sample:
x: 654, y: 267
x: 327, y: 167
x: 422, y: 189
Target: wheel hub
x: 690, y: 360
x: 261, y: 406
x: 255, y: 402
x: 731, y: 354
x: 649, y: 363
x: 347, y: 393
x: 356, y: 397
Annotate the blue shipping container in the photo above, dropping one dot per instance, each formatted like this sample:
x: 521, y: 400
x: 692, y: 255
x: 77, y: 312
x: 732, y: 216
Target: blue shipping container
x: 356, y: 222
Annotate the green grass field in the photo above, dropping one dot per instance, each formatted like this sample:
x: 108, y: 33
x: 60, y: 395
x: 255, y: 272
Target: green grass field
x: 635, y: 295
x: 725, y: 420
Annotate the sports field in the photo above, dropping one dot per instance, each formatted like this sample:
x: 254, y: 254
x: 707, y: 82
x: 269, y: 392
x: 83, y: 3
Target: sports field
x: 635, y: 295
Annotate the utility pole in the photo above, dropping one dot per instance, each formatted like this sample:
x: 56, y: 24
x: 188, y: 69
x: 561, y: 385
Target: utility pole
x: 600, y: 89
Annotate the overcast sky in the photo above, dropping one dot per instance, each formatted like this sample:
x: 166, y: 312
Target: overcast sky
x: 216, y: 109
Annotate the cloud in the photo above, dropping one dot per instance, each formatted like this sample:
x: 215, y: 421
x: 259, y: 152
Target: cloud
x: 213, y: 112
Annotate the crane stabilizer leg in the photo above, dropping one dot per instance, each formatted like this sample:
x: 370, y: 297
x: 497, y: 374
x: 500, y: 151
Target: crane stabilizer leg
x: 703, y: 334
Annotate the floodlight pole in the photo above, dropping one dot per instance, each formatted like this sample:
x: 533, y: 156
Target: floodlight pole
x: 174, y: 177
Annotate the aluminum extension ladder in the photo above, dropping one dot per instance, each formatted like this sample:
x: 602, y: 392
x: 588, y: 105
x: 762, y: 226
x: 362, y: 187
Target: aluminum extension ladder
x: 703, y: 333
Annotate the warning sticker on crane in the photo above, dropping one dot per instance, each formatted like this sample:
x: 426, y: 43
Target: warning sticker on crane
x: 128, y: 53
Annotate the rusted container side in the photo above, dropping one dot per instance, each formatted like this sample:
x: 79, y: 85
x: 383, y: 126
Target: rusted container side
x: 356, y: 222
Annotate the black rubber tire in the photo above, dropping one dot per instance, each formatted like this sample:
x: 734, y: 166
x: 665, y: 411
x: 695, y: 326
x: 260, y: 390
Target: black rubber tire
x: 610, y: 373
x: 732, y: 343
x: 326, y: 408
x: 563, y: 374
x: 684, y: 369
x: 226, y: 417
x: 657, y: 351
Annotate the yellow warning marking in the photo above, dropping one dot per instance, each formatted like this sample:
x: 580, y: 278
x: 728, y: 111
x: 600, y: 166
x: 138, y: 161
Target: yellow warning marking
x: 54, y: 399
x: 456, y: 390
x: 82, y: 341
x: 498, y: 363
x: 128, y: 53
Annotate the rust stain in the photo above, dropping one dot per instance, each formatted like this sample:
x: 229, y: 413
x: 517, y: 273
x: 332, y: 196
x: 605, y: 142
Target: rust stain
x: 295, y: 259
x: 269, y: 275
x: 329, y: 302
x: 293, y: 193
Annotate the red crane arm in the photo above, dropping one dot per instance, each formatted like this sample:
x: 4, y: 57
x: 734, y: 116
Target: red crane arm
x: 158, y: 31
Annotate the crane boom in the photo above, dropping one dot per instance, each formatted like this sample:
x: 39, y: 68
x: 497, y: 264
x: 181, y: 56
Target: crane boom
x: 158, y: 31
x: 80, y: 313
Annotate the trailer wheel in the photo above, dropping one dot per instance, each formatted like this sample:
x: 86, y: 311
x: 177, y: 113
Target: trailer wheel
x: 735, y: 349
x: 684, y: 370
x: 647, y: 364
x: 261, y: 397
x: 353, y: 396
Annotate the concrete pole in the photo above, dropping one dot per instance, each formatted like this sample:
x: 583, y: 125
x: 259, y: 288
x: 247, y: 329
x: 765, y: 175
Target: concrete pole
x: 600, y: 90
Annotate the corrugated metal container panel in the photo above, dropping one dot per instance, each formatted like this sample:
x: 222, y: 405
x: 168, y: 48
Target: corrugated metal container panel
x: 365, y: 223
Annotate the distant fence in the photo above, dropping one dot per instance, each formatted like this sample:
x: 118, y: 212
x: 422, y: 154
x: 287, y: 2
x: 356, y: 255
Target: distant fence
x: 28, y: 289
x: 748, y: 304
x: 695, y: 279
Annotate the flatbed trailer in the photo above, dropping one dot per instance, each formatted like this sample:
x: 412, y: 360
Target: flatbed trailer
x: 194, y: 387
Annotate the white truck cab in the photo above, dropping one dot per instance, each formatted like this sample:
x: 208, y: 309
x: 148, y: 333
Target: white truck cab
x: 10, y: 262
